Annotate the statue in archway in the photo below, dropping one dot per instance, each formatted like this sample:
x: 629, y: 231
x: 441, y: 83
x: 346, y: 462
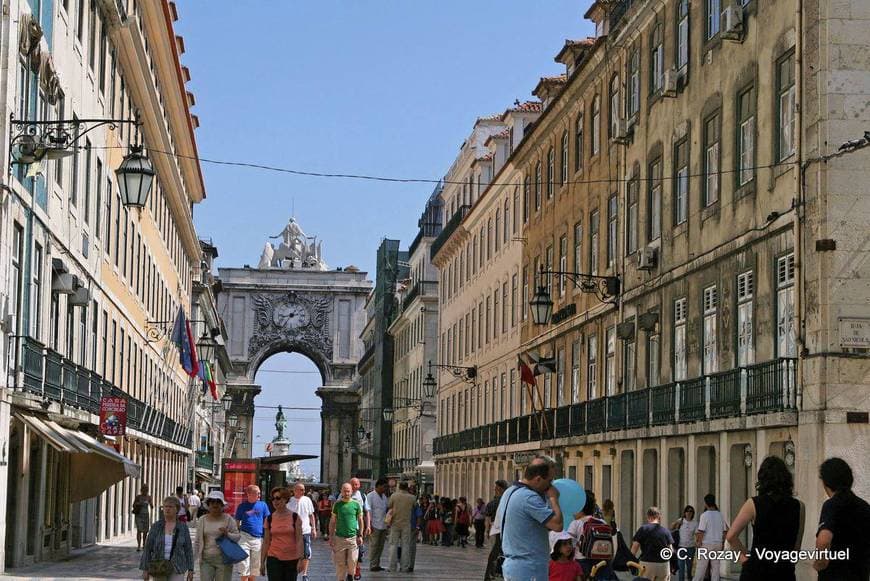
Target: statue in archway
x: 295, y: 251
x: 280, y: 424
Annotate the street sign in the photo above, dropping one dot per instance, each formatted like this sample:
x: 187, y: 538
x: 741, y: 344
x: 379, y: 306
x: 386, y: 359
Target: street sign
x: 854, y: 332
x: 523, y: 458
x: 113, y: 416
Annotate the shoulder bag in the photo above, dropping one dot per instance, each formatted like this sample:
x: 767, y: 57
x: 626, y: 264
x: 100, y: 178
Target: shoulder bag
x: 163, y: 567
x: 496, y: 570
x: 232, y: 552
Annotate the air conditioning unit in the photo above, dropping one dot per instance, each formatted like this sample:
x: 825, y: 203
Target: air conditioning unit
x: 64, y: 283
x: 624, y: 130
x: 669, y: 84
x: 732, y: 23
x: 646, y: 258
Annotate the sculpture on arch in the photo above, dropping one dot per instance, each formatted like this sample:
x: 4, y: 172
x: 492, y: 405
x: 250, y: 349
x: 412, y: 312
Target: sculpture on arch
x: 296, y: 250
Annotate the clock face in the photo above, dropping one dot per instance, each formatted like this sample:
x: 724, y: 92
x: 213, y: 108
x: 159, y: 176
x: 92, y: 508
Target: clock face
x: 291, y: 316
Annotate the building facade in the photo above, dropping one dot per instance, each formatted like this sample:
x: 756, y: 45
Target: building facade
x: 479, y: 257
x: 414, y: 331
x: 691, y: 153
x: 374, y: 379
x: 91, y: 287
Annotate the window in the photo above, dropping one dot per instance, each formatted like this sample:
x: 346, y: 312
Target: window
x: 711, y: 160
x: 488, y: 322
x: 745, y: 343
x: 714, y: 10
x: 657, y: 61
x: 628, y: 365
x: 17, y: 270
x: 680, y: 339
x: 548, y: 257
x: 681, y: 182
x: 593, y: 242
x: 92, y: 33
x: 564, y: 174
x: 60, y: 111
x: 563, y: 263
x: 631, y: 217
x: 551, y: 172
x: 614, y: 106
x: 99, y: 201
x: 80, y: 20
x: 538, y: 186
x: 506, y: 213
x: 578, y: 248
x: 37, y: 292
x: 654, y: 201
x: 514, y: 300
x: 786, y: 341
x: 591, y: 367
x: 576, y: 348
x: 633, y: 83
x: 526, y: 190
x: 682, y: 56
x: 103, y: 57
x: 711, y: 305
x: 525, y: 297
x: 516, y: 216
x: 746, y: 137
x: 548, y: 391
x: 653, y: 361
x: 785, y: 106
x: 497, y: 233
x: 560, y: 378
x: 611, y: 231
x: 578, y: 142
x: 596, y: 125
x: 74, y: 189
x: 610, y: 362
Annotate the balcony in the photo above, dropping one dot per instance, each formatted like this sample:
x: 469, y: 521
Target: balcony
x: 205, y: 459
x: 48, y: 374
x: 422, y: 288
x: 763, y: 388
x: 448, y: 230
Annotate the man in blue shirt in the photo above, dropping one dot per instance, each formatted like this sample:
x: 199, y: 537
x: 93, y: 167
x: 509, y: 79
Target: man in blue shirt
x: 251, y: 515
x: 529, y: 509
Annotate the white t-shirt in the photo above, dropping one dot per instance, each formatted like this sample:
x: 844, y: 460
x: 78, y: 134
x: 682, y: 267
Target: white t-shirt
x: 194, y: 503
x: 687, y: 532
x: 575, y: 529
x: 304, y: 508
x: 712, y: 524
x: 182, y: 500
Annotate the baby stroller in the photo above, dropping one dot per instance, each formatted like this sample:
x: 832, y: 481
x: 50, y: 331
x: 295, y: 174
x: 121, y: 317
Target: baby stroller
x: 637, y: 570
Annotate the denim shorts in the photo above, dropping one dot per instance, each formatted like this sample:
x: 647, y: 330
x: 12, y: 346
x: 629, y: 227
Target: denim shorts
x: 306, y: 546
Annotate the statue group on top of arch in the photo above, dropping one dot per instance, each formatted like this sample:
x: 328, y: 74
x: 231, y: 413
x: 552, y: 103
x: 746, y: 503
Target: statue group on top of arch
x: 296, y: 250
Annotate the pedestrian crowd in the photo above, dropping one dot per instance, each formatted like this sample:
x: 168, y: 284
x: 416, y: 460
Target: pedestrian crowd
x: 530, y: 538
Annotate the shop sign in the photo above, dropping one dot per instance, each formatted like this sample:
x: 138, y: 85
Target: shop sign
x: 113, y: 416
x: 523, y: 458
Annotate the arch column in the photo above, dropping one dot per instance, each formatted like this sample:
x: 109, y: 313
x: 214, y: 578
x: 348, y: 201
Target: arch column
x: 338, y: 418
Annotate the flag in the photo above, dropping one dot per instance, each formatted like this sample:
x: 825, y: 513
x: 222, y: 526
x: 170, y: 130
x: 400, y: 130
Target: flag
x: 183, y: 340
x: 532, y: 364
x: 207, y: 378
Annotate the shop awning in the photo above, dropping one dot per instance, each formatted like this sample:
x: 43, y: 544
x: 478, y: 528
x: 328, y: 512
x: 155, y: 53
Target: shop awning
x: 205, y: 475
x: 93, y: 466
x: 426, y: 467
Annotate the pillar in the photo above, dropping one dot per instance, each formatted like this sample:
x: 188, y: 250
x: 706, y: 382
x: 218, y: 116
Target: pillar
x: 339, y: 418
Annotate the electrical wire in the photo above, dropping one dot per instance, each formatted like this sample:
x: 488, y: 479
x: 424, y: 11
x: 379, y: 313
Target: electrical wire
x: 376, y: 178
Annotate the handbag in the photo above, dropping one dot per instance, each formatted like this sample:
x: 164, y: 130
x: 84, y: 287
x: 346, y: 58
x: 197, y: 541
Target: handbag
x: 232, y: 552
x: 163, y: 567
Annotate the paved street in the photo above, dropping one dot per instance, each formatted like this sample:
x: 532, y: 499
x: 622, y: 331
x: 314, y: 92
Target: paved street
x: 120, y: 560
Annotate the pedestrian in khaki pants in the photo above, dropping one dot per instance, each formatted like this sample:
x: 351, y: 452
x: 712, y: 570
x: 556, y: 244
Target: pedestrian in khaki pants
x: 345, y: 533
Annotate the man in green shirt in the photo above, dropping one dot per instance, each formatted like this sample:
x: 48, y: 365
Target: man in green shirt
x: 345, y: 533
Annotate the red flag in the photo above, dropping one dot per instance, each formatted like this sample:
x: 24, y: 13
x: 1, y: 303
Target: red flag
x: 526, y: 373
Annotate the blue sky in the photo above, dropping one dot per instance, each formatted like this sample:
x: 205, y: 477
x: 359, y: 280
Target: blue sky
x: 375, y: 87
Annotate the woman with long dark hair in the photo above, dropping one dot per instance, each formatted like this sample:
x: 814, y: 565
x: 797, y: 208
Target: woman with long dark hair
x: 777, y: 519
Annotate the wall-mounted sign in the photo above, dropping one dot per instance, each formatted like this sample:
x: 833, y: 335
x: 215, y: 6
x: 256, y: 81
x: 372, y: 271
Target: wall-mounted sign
x: 113, y: 416
x: 523, y: 458
x: 854, y: 333
x: 568, y: 310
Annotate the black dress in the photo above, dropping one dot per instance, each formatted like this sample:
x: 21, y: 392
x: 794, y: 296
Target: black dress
x: 777, y: 522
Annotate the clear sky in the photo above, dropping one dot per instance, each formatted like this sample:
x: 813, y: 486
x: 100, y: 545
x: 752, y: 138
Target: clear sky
x: 379, y: 87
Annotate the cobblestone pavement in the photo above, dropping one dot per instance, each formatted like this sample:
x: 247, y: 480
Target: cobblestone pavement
x: 119, y: 560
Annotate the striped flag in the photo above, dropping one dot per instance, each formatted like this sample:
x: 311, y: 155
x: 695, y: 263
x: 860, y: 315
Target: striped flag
x: 532, y: 364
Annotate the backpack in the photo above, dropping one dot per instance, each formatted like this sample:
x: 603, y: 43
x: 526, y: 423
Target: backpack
x: 596, y: 540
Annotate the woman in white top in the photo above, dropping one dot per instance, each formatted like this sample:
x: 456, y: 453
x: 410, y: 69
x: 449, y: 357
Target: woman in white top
x: 686, y: 527
x: 210, y: 527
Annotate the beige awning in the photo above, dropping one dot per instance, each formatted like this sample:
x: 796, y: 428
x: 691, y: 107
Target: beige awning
x: 426, y: 467
x: 93, y: 466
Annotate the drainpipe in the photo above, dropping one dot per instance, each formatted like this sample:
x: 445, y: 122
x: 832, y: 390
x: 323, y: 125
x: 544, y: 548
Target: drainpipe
x: 800, y: 320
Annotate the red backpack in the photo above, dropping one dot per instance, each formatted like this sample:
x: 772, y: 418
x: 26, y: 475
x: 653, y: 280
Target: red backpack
x: 596, y: 540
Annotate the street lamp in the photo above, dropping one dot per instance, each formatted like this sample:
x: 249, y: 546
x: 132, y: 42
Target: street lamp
x: 429, y: 386
x: 227, y: 400
x: 360, y: 433
x: 205, y: 347
x: 135, y: 176
x: 606, y: 288
x: 542, y: 306
x: 388, y: 415
x: 233, y: 422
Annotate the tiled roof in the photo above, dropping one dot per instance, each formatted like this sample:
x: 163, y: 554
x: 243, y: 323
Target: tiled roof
x: 493, y: 117
x: 528, y: 107
x: 485, y: 157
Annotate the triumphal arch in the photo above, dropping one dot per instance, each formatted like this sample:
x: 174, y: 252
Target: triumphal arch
x: 292, y: 302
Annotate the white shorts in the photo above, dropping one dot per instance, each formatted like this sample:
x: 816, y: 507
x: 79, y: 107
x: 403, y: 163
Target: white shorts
x: 251, y: 565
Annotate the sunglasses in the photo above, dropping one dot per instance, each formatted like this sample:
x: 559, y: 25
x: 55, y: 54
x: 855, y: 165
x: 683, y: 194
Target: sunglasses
x: 276, y: 498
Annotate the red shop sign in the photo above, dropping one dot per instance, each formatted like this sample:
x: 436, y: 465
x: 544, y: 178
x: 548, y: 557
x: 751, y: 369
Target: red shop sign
x: 113, y: 416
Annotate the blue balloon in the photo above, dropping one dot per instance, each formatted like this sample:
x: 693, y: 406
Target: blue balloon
x: 572, y: 497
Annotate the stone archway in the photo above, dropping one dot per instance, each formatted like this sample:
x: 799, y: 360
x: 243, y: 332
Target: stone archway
x: 293, y: 304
